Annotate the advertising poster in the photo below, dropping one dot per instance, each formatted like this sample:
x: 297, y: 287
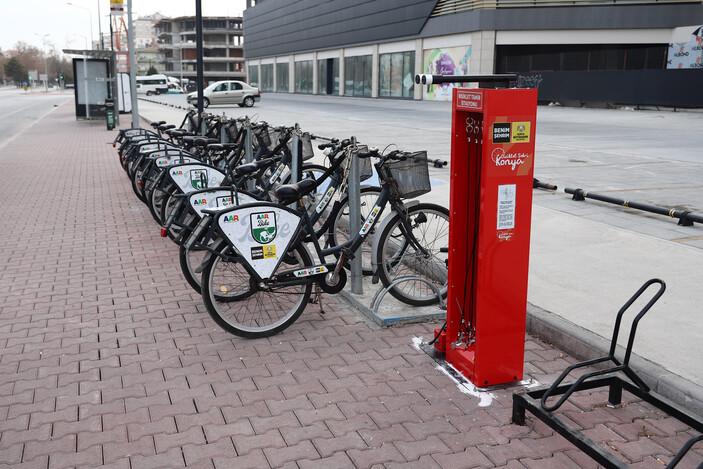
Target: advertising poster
x: 445, y: 61
x: 689, y: 52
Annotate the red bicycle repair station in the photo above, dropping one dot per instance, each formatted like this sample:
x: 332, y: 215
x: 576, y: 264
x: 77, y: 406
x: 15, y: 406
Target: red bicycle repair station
x: 492, y: 162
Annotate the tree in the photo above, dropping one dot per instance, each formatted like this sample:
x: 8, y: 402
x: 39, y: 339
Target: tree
x: 152, y: 71
x: 30, y: 56
x: 15, y: 71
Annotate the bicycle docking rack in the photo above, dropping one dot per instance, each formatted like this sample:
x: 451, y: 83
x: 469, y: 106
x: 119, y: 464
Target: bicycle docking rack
x: 535, y: 400
x: 492, y: 162
x: 685, y: 218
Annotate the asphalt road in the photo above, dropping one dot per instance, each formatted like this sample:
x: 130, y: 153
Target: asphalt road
x: 20, y: 110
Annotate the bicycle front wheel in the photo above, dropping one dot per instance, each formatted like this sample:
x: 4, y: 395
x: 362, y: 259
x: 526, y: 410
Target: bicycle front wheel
x: 237, y: 303
x: 396, y: 258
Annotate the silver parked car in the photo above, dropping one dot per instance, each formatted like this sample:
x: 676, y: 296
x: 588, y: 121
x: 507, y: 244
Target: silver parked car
x: 227, y: 92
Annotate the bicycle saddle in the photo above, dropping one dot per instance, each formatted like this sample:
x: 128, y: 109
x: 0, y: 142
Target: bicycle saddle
x: 250, y: 168
x: 291, y: 192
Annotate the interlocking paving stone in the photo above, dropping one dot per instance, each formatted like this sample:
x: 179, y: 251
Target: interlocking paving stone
x: 107, y: 356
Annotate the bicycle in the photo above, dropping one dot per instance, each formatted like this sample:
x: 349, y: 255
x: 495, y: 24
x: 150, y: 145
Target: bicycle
x: 258, y: 275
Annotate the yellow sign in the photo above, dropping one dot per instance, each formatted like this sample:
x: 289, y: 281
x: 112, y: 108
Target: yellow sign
x: 116, y: 7
x: 520, y: 132
x: 270, y: 251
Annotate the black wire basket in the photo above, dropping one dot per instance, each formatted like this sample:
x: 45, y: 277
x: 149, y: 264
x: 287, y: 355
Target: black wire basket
x: 231, y: 130
x: 411, y: 175
x: 365, y: 168
x: 306, y: 145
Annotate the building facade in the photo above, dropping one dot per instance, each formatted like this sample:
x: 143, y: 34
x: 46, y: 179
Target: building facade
x: 223, y: 56
x: 616, y: 51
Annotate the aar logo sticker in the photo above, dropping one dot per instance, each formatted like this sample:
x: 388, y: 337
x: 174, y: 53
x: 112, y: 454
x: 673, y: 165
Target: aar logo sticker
x: 198, y: 178
x: 521, y: 132
x: 263, y: 227
x: 224, y: 201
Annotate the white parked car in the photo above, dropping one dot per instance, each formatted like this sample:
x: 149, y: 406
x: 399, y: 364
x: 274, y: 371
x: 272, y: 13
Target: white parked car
x: 227, y: 92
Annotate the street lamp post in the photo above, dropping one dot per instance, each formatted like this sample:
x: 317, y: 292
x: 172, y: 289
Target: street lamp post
x: 90, y: 20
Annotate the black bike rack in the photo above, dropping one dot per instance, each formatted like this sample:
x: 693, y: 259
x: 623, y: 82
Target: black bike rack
x: 535, y: 400
x: 685, y: 218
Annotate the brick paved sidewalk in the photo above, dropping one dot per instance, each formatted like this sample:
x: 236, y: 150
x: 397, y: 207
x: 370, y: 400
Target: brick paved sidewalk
x: 108, y: 358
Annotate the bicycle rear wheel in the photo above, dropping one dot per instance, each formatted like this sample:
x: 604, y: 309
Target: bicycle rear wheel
x: 236, y: 303
x: 397, y: 259
x: 340, y: 233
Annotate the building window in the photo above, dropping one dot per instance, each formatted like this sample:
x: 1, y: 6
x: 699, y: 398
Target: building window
x: 580, y: 57
x: 357, y: 76
x: 303, y: 77
x: 328, y: 76
x: 282, y: 78
x: 254, y: 75
x: 267, y: 77
x: 396, y: 75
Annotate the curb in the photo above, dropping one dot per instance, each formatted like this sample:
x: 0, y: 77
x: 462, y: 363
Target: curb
x: 585, y: 345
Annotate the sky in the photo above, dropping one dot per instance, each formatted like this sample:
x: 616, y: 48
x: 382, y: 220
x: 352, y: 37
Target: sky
x: 67, y: 26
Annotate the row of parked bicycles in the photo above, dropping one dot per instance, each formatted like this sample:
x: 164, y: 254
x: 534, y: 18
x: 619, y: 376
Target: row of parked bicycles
x: 259, y: 247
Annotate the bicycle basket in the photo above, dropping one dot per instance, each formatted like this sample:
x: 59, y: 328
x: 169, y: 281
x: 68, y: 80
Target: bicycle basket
x: 231, y: 130
x: 365, y: 169
x: 274, y: 138
x: 411, y: 176
x: 306, y: 145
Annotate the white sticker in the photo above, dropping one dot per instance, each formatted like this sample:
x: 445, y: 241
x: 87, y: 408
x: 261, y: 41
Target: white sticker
x: 311, y: 271
x: 191, y: 177
x: 325, y: 200
x: 218, y: 199
x: 171, y: 160
x: 506, y: 206
x: 278, y: 172
x: 261, y: 232
x: 369, y: 220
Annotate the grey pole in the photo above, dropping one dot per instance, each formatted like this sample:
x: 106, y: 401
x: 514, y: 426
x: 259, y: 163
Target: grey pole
x: 354, y: 191
x: 199, y: 61
x: 85, y: 85
x: 100, y: 30
x: 224, y: 138
x: 248, y: 150
x: 132, y: 68
x: 295, y: 164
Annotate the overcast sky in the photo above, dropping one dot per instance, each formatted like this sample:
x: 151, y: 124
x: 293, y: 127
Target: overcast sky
x: 67, y: 26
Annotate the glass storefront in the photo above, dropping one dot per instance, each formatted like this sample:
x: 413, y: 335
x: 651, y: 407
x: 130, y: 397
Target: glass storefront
x: 254, y: 75
x: 328, y: 76
x: 303, y: 77
x: 267, y: 77
x: 282, y: 78
x: 396, y: 75
x: 357, y: 76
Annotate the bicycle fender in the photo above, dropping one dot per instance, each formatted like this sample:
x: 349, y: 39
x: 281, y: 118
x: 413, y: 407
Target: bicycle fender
x: 382, y: 225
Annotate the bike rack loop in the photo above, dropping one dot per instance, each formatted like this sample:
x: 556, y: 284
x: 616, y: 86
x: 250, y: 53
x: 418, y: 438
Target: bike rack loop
x: 381, y: 292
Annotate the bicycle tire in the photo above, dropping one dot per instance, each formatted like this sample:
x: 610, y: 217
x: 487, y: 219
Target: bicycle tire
x: 396, y: 258
x: 136, y: 178
x: 190, y: 259
x: 158, y: 197
x: 249, y: 312
x: 167, y: 209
